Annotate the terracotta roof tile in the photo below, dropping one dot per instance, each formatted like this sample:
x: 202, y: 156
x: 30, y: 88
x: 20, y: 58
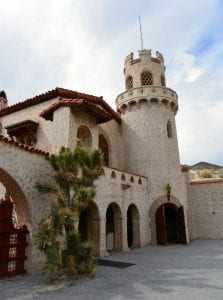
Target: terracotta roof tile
x: 63, y: 93
x: 25, y: 147
x: 97, y: 108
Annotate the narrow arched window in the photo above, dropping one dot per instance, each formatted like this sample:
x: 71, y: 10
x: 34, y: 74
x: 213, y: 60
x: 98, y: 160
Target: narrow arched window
x: 169, y: 129
x: 162, y: 79
x: 146, y: 78
x: 103, y: 145
x: 129, y: 82
x: 84, y: 137
x: 113, y: 175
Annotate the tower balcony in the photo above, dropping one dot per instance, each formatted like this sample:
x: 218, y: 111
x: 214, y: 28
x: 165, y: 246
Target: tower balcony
x: 149, y: 94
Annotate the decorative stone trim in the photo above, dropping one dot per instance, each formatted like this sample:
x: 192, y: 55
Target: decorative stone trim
x: 137, y: 102
x: 148, y: 93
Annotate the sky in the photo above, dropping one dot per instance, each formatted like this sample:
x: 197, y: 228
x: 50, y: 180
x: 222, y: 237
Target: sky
x: 82, y: 44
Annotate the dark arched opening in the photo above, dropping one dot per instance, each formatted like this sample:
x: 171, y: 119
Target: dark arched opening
x: 170, y: 224
x: 103, y: 146
x: 130, y: 227
x: 89, y: 225
x: 169, y: 130
x: 113, y: 228
x: 133, y: 230
x: 83, y: 226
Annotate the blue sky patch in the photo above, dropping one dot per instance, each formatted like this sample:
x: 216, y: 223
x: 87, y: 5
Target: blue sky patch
x: 203, y: 45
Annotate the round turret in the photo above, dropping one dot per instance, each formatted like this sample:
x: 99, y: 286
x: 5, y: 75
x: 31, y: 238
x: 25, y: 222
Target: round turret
x: 3, y: 100
x: 148, y: 111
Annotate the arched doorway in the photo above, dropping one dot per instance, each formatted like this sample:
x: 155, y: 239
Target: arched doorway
x: 170, y: 224
x: 89, y: 225
x: 133, y: 231
x: 103, y: 146
x: 16, y: 194
x: 13, y: 226
x: 113, y: 228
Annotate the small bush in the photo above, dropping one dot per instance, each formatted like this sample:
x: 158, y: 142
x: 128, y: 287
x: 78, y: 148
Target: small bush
x: 205, y: 174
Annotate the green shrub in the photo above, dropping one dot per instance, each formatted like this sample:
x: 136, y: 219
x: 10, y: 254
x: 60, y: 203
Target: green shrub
x: 205, y: 174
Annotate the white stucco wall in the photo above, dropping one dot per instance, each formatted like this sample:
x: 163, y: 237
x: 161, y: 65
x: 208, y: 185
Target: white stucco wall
x: 46, y: 133
x: 207, y: 209
x: 19, y: 171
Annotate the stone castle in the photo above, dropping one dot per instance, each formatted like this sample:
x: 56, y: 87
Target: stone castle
x: 144, y: 197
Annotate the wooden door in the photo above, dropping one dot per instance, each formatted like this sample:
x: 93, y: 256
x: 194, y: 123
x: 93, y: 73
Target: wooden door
x: 161, y: 226
x: 12, y: 241
x: 181, y: 226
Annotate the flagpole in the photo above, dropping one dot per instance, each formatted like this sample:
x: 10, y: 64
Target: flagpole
x: 140, y: 28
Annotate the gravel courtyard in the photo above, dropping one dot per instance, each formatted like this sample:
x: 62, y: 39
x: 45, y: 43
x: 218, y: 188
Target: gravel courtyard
x: 172, y: 272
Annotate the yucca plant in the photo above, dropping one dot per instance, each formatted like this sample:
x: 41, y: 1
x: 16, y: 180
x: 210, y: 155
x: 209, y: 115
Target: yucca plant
x: 74, y: 175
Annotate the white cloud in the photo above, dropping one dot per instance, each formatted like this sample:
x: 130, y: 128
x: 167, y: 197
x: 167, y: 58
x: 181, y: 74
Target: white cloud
x: 82, y: 45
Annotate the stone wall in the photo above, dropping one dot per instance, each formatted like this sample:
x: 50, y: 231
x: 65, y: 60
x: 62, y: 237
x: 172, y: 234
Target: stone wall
x: 123, y: 189
x: 207, y: 208
x: 19, y: 171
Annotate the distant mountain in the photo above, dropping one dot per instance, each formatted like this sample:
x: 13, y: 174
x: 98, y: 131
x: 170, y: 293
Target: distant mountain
x: 204, y: 165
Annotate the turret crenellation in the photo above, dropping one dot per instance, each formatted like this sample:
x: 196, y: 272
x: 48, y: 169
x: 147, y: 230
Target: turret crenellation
x: 145, y: 70
x: 145, y: 80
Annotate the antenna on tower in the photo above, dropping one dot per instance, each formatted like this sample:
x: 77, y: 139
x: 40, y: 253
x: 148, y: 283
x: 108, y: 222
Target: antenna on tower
x: 140, y: 28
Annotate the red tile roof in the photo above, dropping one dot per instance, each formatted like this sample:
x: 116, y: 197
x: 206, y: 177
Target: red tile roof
x: 63, y: 93
x: 97, y: 108
x: 23, y: 146
x: 207, y: 181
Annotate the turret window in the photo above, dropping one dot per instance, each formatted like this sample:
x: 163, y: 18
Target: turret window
x: 129, y: 82
x: 146, y: 78
x: 163, y: 82
x: 169, y: 130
